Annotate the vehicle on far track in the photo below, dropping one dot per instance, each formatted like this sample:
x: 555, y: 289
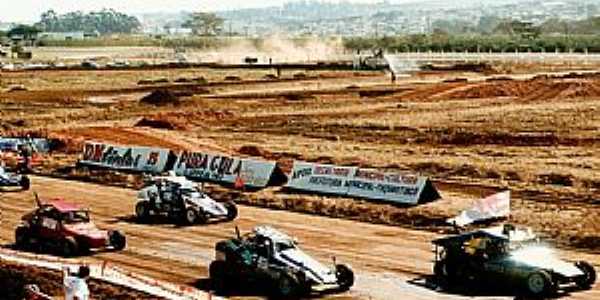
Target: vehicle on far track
x: 8, y: 179
x: 507, y: 256
x: 64, y: 229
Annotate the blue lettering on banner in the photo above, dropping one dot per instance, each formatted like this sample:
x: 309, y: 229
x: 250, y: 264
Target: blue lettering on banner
x: 302, y: 173
x: 382, y: 188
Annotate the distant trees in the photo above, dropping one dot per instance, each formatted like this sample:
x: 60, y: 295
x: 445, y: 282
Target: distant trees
x: 588, y: 26
x: 484, y: 43
x: 26, y: 31
x: 104, y: 22
x: 205, y: 24
x: 492, y: 34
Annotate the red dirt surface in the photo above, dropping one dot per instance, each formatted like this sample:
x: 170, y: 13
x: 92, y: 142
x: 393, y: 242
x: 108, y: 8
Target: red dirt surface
x: 532, y: 90
x: 13, y: 278
x: 75, y: 137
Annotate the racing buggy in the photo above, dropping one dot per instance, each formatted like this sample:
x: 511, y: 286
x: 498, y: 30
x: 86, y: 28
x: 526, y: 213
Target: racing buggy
x: 507, y: 256
x: 64, y: 229
x: 269, y: 258
x: 13, y: 180
x: 181, y: 200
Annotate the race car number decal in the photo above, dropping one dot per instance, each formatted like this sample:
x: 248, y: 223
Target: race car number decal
x: 49, y: 223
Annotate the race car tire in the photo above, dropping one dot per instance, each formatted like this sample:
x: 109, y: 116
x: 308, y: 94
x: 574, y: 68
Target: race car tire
x: 589, y: 278
x: 22, y: 238
x: 345, y: 277
x: 217, y: 271
x: 25, y: 183
x: 117, y: 240
x: 286, y: 287
x: 539, y: 284
x: 69, y: 247
x: 190, y: 216
x: 232, y: 211
x: 445, y: 273
x: 142, y: 210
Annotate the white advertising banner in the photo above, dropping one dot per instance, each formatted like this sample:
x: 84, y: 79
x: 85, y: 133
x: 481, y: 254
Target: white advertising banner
x: 494, y: 206
x: 224, y: 169
x: 320, y: 178
x: 393, y: 187
x: 356, y: 182
x: 133, y: 158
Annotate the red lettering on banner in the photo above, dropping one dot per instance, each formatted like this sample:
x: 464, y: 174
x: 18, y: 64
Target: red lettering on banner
x: 98, y: 152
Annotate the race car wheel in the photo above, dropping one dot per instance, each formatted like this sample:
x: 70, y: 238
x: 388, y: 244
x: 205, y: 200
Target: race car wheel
x: 69, y: 247
x: 117, y: 240
x: 286, y: 287
x: 142, y: 210
x: 25, y: 183
x: 232, y: 211
x: 445, y: 273
x: 589, y: 275
x: 218, y: 276
x: 22, y: 238
x: 539, y: 284
x: 190, y: 216
x: 345, y: 277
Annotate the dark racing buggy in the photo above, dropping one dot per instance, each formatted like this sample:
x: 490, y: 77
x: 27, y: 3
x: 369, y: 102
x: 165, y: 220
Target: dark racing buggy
x: 64, y: 229
x: 269, y: 258
x: 506, y: 257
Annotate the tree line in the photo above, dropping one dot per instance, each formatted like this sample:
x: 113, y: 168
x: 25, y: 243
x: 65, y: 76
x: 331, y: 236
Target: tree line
x: 492, y: 34
x: 105, y: 21
x: 496, y: 25
x: 437, y: 42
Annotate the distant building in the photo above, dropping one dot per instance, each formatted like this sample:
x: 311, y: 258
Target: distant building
x: 67, y: 36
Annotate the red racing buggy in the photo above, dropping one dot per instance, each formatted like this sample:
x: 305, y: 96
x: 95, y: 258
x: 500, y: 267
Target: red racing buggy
x: 65, y: 229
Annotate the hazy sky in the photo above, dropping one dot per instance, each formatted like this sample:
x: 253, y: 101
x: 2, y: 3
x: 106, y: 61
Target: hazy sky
x: 30, y: 10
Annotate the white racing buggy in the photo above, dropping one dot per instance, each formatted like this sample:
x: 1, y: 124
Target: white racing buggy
x: 13, y: 180
x: 269, y: 258
x: 181, y: 200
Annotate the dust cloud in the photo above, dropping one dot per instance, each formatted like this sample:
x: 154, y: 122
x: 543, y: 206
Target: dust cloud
x: 273, y: 49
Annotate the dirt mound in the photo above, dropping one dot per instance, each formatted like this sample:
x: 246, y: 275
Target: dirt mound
x: 488, y: 91
x: 145, y: 82
x: 300, y: 76
x: 233, y: 78
x: 160, y: 123
x: 499, y: 78
x: 539, y: 88
x: 161, y: 97
x: 458, y: 79
x: 253, y: 150
x: 75, y: 137
x: 298, y: 96
x: 556, y: 179
x: 465, y: 67
x: 375, y: 93
x: 14, y: 277
x: 182, y: 80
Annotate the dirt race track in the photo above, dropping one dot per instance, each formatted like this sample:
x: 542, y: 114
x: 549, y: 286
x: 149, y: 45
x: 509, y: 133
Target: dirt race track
x: 473, y: 134
x: 384, y: 258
